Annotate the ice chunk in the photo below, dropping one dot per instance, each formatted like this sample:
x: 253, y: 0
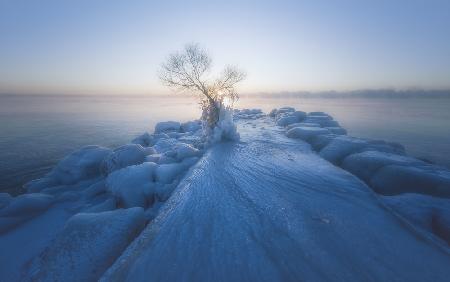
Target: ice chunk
x: 273, y: 113
x: 166, y: 173
x: 166, y: 159
x: 312, y: 114
x: 225, y: 129
x: 429, y: 213
x: 167, y: 126
x: 123, y: 156
x: 396, y: 179
x: 286, y: 120
x: 82, y: 164
x: 27, y: 205
x: 144, y: 140
x: 337, y: 130
x: 302, y: 124
x: 340, y: 147
x: 306, y: 133
x: 150, y: 151
x: 5, y: 199
x: 318, y: 142
x: 107, y: 205
x: 365, y: 164
x: 132, y: 186
x: 154, y: 158
x: 22, y: 208
x: 87, y: 246
x: 164, y: 145
x: 324, y: 121
x: 285, y: 110
x: 185, y: 151
x: 191, y: 126
x: 95, y: 189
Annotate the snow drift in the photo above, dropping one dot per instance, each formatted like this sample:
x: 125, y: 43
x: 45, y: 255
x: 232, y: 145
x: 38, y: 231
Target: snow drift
x: 272, y: 207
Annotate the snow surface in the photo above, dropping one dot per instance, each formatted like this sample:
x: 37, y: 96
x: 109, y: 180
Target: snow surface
x: 270, y: 209
x: 87, y: 246
x: 130, y: 154
x: 266, y: 208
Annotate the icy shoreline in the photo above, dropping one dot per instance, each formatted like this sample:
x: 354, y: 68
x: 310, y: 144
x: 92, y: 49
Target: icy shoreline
x: 120, y: 191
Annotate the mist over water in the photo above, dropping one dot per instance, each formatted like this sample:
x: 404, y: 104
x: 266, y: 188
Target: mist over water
x: 37, y: 131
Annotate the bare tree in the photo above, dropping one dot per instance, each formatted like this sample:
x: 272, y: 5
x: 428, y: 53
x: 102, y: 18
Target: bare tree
x: 189, y: 70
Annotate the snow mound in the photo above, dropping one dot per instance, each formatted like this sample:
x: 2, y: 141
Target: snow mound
x: 82, y: 164
x: 87, y: 246
x: 167, y: 126
x: 337, y: 130
x: 287, y: 120
x: 132, y: 186
x: 225, y: 128
x: 312, y: 114
x: 130, y: 154
x: 165, y: 145
x: 248, y: 113
x: 429, y: 213
x: 342, y: 146
x: 290, y: 117
x: 191, y: 126
x: 5, y: 199
x: 306, y: 133
x: 324, y: 121
x: 183, y: 151
x: 302, y: 124
x: 318, y: 142
x: 366, y: 164
x: 167, y: 173
x: 396, y: 179
x: 22, y: 208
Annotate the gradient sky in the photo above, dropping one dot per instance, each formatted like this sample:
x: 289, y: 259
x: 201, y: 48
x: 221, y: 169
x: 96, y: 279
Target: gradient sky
x: 88, y: 46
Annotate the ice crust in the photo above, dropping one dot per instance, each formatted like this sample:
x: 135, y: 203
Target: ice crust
x: 238, y: 204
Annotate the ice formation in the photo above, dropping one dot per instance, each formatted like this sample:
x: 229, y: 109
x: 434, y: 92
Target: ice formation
x: 295, y: 199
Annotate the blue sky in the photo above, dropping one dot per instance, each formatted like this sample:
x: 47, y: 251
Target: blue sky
x: 116, y: 47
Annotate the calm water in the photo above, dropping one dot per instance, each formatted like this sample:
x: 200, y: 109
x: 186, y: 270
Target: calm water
x: 37, y: 131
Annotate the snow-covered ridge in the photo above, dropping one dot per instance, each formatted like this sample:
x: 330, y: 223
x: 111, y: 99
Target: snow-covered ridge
x: 412, y: 187
x: 122, y: 187
x: 85, y: 213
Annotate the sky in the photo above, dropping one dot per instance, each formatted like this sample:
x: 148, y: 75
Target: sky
x: 116, y: 47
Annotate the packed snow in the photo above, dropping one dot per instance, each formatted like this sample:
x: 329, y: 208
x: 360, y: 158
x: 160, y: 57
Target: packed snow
x: 283, y: 196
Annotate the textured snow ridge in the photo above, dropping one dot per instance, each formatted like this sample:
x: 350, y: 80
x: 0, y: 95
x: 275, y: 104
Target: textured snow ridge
x: 384, y: 166
x: 88, y: 244
x: 97, y: 198
x: 268, y: 208
x: 273, y: 206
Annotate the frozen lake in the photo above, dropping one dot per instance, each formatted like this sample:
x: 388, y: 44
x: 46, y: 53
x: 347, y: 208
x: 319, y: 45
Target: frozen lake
x: 37, y: 131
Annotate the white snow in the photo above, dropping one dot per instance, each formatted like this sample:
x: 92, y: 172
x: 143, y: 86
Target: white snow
x: 82, y: 164
x: 366, y: 164
x: 167, y: 126
x: 132, y: 186
x: 225, y: 129
x: 269, y: 209
x: 287, y: 120
x: 337, y: 130
x: 430, y: 213
x: 306, y: 133
x: 191, y: 126
x: 266, y: 208
x: 183, y: 151
x: 87, y: 246
x: 396, y: 179
x: 130, y: 154
x: 302, y: 124
x: 166, y: 173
